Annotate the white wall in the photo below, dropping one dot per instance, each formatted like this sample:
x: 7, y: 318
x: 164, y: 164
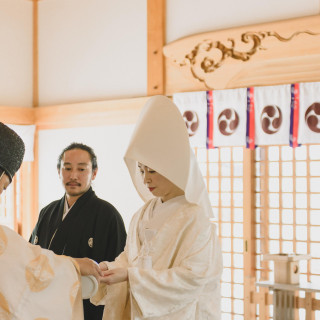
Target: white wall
x: 113, y: 182
x: 187, y: 17
x: 91, y: 50
x: 16, y: 53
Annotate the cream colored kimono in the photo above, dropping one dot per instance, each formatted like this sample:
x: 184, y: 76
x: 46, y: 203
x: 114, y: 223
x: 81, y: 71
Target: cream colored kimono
x: 184, y: 281
x: 172, y: 253
x: 36, y: 284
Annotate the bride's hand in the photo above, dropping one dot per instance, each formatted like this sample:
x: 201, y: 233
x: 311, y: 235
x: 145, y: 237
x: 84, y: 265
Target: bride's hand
x: 114, y: 276
x: 103, y: 266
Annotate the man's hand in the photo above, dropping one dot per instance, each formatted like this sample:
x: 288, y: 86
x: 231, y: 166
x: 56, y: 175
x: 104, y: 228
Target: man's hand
x: 89, y: 267
x: 114, y: 276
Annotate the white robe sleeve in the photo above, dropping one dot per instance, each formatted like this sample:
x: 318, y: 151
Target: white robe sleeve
x: 114, y: 297
x: 35, y: 283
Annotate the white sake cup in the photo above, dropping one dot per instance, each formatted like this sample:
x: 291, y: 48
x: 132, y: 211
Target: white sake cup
x: 89, y: 286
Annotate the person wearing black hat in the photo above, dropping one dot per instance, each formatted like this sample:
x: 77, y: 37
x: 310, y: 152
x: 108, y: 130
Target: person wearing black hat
x: 35, y: 283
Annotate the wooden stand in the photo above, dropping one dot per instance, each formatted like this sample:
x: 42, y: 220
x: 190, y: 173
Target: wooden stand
x: 286, y: 266
x: 285, y: 302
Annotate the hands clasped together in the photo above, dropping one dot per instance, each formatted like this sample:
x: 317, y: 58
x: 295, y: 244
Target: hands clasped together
x: 101, y: 272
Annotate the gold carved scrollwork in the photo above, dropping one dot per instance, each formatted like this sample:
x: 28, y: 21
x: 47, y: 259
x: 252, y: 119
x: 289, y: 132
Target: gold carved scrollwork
x: 208, y: 55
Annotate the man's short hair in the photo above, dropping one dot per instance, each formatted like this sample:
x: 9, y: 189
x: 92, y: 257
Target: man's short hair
x: 76, y: 145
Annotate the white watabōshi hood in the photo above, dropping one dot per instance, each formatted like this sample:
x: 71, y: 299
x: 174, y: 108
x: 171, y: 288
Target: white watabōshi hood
x: 160, y: 141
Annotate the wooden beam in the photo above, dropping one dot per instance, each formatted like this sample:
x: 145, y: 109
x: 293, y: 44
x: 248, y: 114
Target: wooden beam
x: 155, y: 43
x: 17, y: 115
x: 97, y: 113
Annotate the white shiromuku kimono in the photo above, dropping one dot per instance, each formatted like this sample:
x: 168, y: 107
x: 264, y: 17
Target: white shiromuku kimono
x: 184, y: 279
x: 172, y: 253
x: 36, y: 284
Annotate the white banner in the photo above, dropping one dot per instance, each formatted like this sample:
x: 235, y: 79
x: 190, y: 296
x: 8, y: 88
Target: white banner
x: 193, y: 107
x: 281, y: 115
x: 229, y: 117
x: 309, y: 113
x: 272, y: 114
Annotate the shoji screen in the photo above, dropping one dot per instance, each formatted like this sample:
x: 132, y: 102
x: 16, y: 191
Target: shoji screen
x: 287, y: 198
x: 223, y: 172
x: 286, y: 213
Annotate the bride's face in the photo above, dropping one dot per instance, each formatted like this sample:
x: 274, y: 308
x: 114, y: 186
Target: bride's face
x: 158, y: 185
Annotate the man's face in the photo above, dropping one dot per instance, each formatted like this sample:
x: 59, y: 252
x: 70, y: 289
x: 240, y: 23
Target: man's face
x: 4, y: 182
x: 76, y: 172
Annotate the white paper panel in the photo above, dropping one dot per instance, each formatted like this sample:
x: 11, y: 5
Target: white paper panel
x: 187, y: 17
x: 16, y: 53
x: 91, y: 50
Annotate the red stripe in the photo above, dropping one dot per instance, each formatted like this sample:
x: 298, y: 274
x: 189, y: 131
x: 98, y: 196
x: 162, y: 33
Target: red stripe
x: 296, y: 115
x: 210, y: 111
x: 252, y: 127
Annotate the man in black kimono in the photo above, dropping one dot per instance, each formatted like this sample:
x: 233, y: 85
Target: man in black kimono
x: 80, y: 224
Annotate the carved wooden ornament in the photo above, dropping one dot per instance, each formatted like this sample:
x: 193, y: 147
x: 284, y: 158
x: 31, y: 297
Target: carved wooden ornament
x: 267, y: 54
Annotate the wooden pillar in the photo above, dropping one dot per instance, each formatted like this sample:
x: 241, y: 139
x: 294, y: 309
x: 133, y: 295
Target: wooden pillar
x: 155, y: 43
x: 28, y: 207
x: 264, y: 227
x: 29, y: 170
x: 310, y: 314
x: 34, y: 170
x: 249, y: 234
